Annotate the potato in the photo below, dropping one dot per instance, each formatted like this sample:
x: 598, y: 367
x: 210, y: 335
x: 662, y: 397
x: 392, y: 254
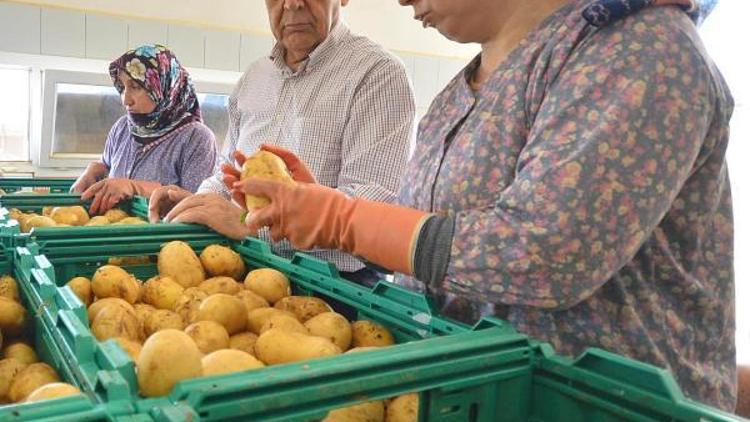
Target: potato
x: 101, y: 304
x: 256, y: 318
x: 268, y: 166
x: 187, y: 305
x: 29, y: 379
x: 81, y: 286
x: 228, y: 360
x: 21, y: 352
x: 73, y: 216
x: 284, y: 322
x: 128, y: 260
x: 131, y: 347
x: 220, y: 284
x: 270, y: 284
x: 373, y: 411
x: 142, y: 311
x: 114, y: 215
x: 404, y: 408
x: 227, y: 310
x: 332, y: 326
x: 99, y: 220
x: 1, y: 339
x: 54, y: 390
x: 177, y: 260
x: 222, y: 261
x: 162, y: 292
x: 130, y: 221
x: 113, y: 281
x: 304, y: 307
x: 277, y: 346
x: 114, y: 321
x: 9, y: 368
x: 368, y: 333
x: 252, y: 300
x: 162, y: 319
x: 9, y: 288
x: 12, y: 314
x: 209, y: 336
x: 37, y: 221
x: 167, y: 358
x: 244, y: 341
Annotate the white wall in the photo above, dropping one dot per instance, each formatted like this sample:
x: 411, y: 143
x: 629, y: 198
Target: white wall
x: 382, y: 20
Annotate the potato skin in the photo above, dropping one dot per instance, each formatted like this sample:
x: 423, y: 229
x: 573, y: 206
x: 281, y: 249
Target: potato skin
x: 161, y: 292
x: 227, y: 310
x: 277, y: 346
x: 12, y: 314
x: 81, y: 286
x: 252, y: 300
x: 332, y: 326
x: 268, y: 166
x: 367, y: 333
x: 270, y: 284
x: 53, y: 391
x: 209, y: 336
x: 178, y: 260
x: 220, y: 260
x: 404, y: 408
x: 229, y: 360
x: 256, y: 318
x: 304, y: 307
x: 29, y: 379
x: 113, y: 281
x: 244, y: 341
x: 167, y: 358
x: 114, y: 321
x: 9, y: 288
x: 373, y: 411
x: 9, y: 368
x: 220, y: 284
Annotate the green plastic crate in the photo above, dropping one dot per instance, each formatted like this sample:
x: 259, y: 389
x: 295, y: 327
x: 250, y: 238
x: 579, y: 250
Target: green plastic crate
x: 42, y: 185
x: 483, y: 373
x: 77, y: 408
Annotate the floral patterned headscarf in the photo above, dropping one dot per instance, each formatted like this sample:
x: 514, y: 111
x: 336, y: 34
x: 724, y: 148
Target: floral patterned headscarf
x: 602, y: 12
x: 168, y: 84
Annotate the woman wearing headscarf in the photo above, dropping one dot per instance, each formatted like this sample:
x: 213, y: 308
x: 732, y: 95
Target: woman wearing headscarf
x: 160, y: 141
x: 571, y: 179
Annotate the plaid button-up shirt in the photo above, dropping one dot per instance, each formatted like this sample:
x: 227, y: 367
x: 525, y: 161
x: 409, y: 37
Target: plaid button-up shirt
x: 347, y: 112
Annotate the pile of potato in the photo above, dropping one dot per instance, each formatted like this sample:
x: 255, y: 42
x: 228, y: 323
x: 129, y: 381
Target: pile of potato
x: 74, y: 216
x: 23, y: 378
x: 203, y: 315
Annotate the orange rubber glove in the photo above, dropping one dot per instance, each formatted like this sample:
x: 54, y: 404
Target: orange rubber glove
x: 311, y: 215
x: 296, y: 167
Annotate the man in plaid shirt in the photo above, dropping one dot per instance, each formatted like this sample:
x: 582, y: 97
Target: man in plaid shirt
x: 338, y: 100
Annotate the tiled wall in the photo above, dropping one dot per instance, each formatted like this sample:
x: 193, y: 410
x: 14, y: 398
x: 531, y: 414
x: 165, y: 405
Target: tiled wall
x: 60, y: 32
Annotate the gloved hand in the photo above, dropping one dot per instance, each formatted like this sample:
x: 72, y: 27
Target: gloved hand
x: 297, y: 168
x: 311, y: 215
x: 109, y: 192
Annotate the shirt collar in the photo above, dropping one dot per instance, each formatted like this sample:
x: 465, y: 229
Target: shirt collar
x: 320, y: 53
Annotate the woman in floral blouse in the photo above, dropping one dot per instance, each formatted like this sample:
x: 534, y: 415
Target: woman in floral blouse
x: 571, y: 179
x: 160, y: 141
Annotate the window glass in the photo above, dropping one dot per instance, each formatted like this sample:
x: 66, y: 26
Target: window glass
x: 84, y: 115
x: 14, y: 114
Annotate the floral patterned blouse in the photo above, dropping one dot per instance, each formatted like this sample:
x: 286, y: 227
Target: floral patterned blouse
x: 588, y: 189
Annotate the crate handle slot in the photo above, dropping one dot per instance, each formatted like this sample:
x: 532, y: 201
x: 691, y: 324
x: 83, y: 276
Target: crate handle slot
x: 622, y: 370
x: 75, y: 334
x: 404, y: 296
x: 490, y: 322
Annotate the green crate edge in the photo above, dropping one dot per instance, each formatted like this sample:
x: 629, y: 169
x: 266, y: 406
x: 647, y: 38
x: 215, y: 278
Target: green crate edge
x: 546, y: 361
x: 77, y: 408
x: 55, y: 184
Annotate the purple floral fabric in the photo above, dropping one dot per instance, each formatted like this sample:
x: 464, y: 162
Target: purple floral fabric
x: 588, y: 184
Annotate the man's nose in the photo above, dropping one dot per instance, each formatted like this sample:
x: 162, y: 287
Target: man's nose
x: 294, y: 4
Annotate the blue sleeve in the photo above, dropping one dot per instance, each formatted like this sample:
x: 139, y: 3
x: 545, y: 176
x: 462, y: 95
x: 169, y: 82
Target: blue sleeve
x: 114, y: 138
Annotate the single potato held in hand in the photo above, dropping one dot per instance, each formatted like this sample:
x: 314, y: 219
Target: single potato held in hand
x: 268, y: 166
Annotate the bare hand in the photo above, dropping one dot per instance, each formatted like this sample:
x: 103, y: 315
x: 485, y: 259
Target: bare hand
x: 163, y: 199
x: 82, y: 183
x: 107, y: 193
x: 210, y: 209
